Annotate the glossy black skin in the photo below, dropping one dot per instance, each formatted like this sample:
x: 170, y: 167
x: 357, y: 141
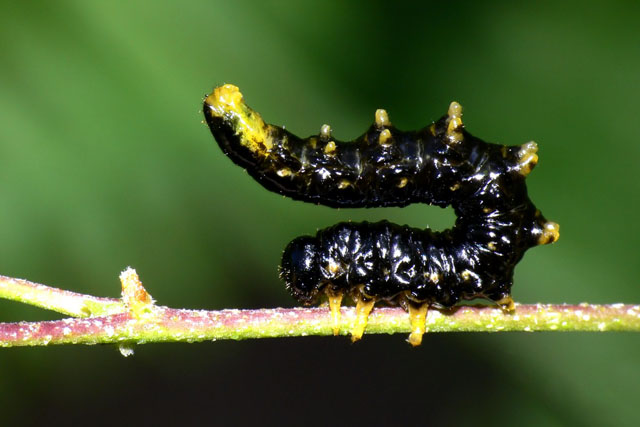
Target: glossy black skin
x: 496, y: 222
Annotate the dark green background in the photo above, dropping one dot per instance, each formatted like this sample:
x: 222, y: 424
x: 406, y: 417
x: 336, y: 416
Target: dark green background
x: 105, y: 164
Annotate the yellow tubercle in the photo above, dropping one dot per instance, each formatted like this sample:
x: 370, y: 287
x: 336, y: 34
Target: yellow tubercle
x: 550, y: 233
x: 227, y: 103
x: 454, y: 122
x: 325, y: 131
x: 418, y: 318
x: 385, y: 137
x: 527, y: 158
x: 382, y: 118
x: 330, y: 148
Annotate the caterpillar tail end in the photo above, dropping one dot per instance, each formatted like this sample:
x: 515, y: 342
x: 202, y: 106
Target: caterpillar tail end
x: 226, y: 103
x: 418, y: 318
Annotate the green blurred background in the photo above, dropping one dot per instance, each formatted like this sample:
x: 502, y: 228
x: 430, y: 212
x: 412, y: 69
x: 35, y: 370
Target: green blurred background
x: 105, y: 164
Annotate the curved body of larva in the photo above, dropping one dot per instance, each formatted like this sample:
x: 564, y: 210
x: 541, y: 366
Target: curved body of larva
x: 441, y: 165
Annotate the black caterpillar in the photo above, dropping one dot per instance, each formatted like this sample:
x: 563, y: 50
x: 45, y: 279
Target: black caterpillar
x: 441, y: 165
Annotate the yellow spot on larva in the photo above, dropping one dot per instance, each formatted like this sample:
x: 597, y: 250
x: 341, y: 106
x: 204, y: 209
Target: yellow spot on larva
x: 385, y: 137
x: 454, y: 122
x: 344, y: 184
x: 284, y: 172
x: 434, y: 277
x: 432, y: 129
x: 402, y: 183
x: 325, y: 131
x: 492, y: 246
x: 466, y: 275
x: 226, y: 102
x: 382, y: 118
x: 333, y: 268
x: 330, y: 148
x: 550, y: 233
x: 455, y: 186
x: 487, y: 210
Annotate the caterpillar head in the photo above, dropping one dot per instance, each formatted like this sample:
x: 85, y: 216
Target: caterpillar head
x: 300, y: 269
x: 232, y: 121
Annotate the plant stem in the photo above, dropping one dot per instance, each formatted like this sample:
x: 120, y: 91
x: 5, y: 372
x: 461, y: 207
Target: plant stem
x: 137, y: 320
x: 59, y: 300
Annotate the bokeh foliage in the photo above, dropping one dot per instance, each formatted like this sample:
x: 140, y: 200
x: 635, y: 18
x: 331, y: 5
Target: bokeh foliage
x: 105, y: 164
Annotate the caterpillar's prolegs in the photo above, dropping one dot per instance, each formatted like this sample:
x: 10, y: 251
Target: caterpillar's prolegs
x: 335, y: 300
x: 507, y: 304
x: 364, y: 305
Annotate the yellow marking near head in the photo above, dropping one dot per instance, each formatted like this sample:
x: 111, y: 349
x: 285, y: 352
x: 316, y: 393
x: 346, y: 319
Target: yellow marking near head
x: 385, y: 137
x: 382, y: 118
x: 227, y: 103
x: 418, y: 318
x: 527, y: 158
x: 550, y: 233
x: 363, y: 308
x: 335, y: 299
x: 454, y: 122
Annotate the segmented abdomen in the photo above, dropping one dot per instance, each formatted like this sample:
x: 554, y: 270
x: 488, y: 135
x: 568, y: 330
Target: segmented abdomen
x: 391, y: 263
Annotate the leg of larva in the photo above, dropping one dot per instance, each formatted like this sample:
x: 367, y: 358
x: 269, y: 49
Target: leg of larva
x: 507, y: 304
x: 418, y: 317
x: 364, y: 306
x: 335, y: 300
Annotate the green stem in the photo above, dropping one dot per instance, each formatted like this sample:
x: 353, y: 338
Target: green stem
x: 137, y: 320
x: 59, y: 300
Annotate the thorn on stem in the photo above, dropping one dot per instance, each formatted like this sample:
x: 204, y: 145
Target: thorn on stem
x: 134, y: 295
